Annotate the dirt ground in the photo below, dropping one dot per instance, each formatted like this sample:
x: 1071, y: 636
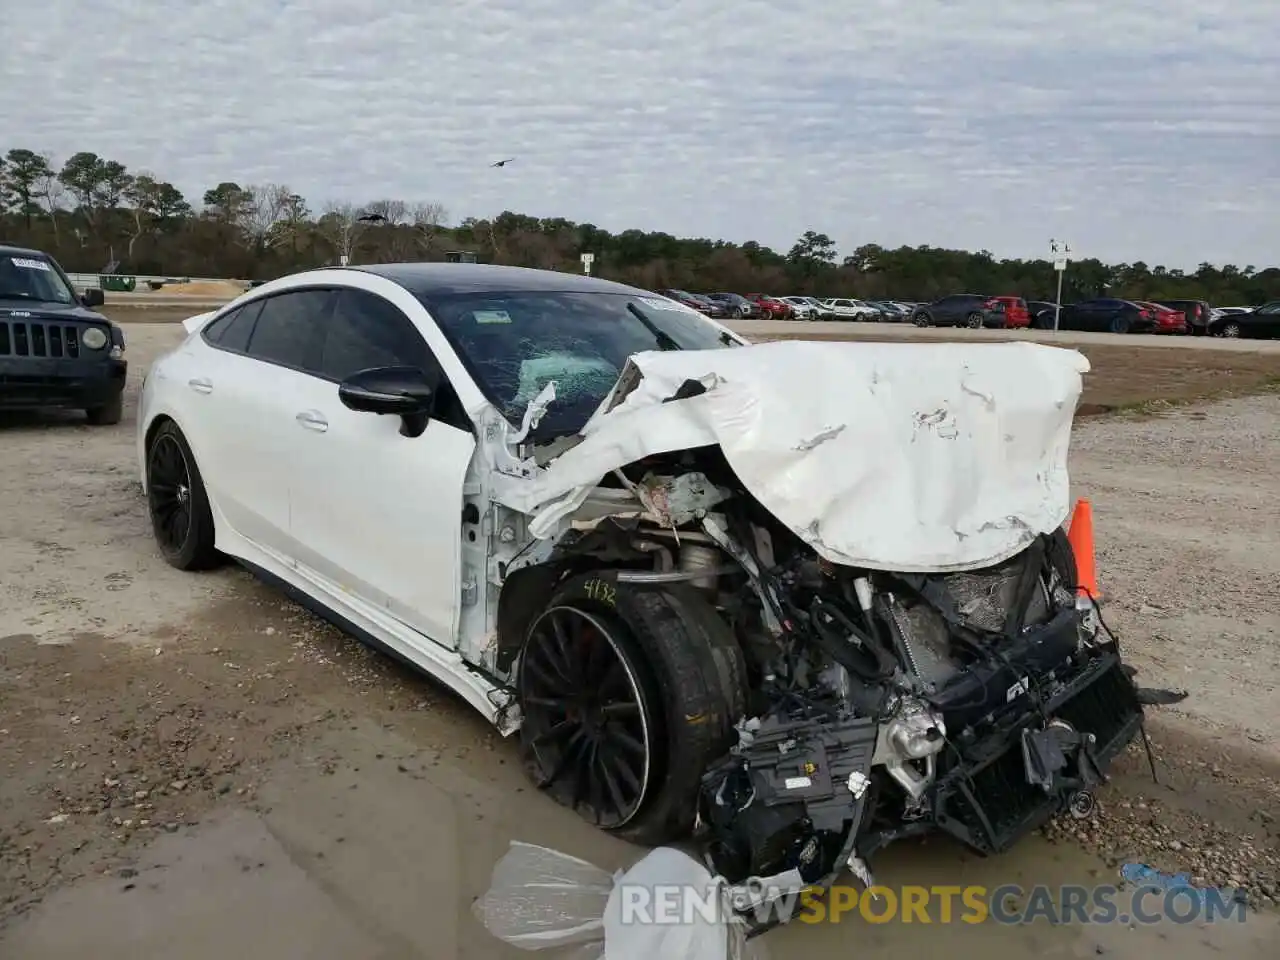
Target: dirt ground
x: 177, y: 750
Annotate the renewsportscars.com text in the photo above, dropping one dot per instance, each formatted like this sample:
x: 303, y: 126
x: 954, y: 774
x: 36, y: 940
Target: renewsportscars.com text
x: 1006, y: 904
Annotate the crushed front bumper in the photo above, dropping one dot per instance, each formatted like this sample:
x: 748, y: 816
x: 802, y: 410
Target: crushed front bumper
x: 801, y: 789
x: 987, y: 799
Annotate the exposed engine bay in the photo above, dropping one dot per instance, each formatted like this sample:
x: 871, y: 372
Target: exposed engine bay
x: 867, y: 705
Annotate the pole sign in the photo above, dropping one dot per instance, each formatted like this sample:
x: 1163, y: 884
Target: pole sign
x: 587, y: 260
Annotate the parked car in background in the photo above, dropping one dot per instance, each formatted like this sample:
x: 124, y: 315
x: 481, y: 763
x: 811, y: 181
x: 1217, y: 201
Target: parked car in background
x: 1217, y: 312
x: 1041, y: 313
x: 711, y: 308
x: 845, y: 308
x: 801, y: 308
x: 1261, y: 323
x: 691, y: 300
x: 824, y: 311
x: 56, y: 350
x: 1198, y: 313
x: 960, y: 310
x: 696, y: 301
x: 737, y: 305
x: 889, y: 312
x: 1167, y: 319
x: 1106, y: 315
x: 1016, y: 313
x: 774, y: 309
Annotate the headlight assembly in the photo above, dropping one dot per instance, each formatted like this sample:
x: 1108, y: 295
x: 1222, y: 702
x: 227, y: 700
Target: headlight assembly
x: 94, y: 338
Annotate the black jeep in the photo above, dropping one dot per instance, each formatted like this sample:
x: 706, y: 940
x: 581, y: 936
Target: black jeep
x: 55, y: 351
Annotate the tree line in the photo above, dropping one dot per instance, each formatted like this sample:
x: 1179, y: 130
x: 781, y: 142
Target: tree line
x: 92, y: 214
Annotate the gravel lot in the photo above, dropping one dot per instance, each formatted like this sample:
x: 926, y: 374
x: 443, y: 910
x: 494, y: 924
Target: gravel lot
x: 175, y: 747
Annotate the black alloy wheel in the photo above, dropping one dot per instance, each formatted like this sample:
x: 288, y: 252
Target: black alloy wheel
x: 974, y: 321
x: 587, y: 719
x: 181, y: 516
x: 169, y: 493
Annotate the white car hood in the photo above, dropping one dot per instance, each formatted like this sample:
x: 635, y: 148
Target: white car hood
x: 906, y: 457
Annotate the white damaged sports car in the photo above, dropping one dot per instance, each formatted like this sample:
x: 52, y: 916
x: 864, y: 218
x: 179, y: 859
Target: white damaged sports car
x: 791, y: 600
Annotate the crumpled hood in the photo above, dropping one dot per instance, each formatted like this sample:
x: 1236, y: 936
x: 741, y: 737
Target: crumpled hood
x: 909, y: 457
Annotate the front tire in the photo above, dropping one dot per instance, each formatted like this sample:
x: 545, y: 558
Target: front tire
x: 109, y: 414
x: 628, y: 692
x: 181, y: 519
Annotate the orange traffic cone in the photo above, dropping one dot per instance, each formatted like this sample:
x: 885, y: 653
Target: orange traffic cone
x: 1080, y: 536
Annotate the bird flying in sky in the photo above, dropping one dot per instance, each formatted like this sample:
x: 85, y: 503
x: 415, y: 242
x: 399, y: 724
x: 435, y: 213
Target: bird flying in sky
x: 502, y: 163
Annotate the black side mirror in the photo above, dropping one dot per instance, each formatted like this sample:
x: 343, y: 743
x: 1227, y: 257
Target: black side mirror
x: 93, y: 297
x: 405, y: 392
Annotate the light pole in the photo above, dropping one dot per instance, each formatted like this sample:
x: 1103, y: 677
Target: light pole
x: 1061, y: 254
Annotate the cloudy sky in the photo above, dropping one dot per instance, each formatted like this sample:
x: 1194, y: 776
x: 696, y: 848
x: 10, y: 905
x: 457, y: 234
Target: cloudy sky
x: 1135, y: 129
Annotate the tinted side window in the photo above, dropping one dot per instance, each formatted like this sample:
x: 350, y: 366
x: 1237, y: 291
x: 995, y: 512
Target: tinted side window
x: 213, y: 331
x: 290, y: 327
x: 231, y: 331
x: 367, y: 331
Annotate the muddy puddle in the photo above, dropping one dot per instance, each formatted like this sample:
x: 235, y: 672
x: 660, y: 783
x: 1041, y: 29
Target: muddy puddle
x: 368, y: 845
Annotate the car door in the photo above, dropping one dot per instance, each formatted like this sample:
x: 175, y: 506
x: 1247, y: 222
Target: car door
x: 249, y: 383
x: 1084, y: 315
x: 1266, y: 320
x: 374, y: 512
x: 947, y: 311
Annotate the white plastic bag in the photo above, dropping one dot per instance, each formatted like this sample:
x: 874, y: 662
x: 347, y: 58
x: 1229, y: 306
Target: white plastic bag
x: 666, y: 905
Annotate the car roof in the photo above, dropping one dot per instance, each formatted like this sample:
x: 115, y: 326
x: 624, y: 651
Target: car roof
x: 427, y: 279
x: 8, y: 250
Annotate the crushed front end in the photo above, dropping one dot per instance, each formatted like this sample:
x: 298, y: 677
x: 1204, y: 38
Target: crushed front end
x: 980, y: 704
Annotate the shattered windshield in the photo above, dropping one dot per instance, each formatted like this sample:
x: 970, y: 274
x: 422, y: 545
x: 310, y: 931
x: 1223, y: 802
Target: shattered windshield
x: 515, y: 343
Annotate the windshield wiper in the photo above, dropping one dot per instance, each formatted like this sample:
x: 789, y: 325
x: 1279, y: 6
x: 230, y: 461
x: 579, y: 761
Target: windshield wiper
x: 665, y: 340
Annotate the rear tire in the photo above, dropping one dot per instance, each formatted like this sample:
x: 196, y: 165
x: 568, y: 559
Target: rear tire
x: 181, y: 518
x: 921, y: 319
x: 1231, y: 330
x: 687, y: 674
x: 108, y: 414
x: 1120, y: 324
x: 973, y: 321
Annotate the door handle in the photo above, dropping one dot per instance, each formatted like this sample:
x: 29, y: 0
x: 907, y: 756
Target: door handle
x: 200, y: 385
x: 313, y: 420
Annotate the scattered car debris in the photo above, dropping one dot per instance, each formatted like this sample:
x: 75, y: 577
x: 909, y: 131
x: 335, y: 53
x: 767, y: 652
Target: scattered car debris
x: 540, y: 899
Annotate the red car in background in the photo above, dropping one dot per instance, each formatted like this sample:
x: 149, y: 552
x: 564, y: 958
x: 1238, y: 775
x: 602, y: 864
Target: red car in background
x: 1167, y: 320
x: 774, y: 309
x: 1016, y: 313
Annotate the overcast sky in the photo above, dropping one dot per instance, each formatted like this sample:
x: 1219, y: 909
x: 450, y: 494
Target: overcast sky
x: 1134, y: 129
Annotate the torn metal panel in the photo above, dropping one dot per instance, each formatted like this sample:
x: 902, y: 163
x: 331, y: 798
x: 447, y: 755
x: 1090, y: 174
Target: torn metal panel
x: 905, y: 457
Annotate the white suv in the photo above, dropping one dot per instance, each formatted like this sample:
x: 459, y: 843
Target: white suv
x: 803, y: 309
x: 848, y: 309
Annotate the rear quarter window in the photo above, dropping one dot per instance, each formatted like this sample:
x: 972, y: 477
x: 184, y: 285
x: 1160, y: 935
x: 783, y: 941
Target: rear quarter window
x: 231, y: 331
